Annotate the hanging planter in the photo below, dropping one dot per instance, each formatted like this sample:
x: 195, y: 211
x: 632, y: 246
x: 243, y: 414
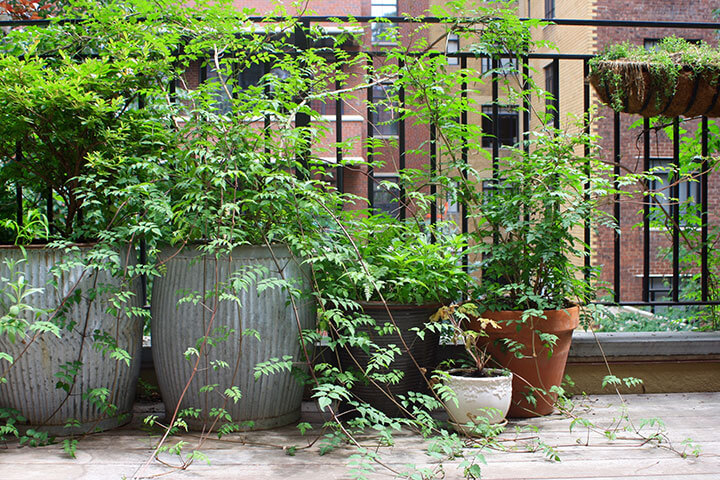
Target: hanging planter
x: 677, y: 78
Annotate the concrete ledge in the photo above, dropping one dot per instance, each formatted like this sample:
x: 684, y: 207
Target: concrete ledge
x: 645, y: 344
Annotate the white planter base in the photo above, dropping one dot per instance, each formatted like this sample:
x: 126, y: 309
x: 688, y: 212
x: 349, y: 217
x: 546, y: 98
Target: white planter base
x: 479, y: 397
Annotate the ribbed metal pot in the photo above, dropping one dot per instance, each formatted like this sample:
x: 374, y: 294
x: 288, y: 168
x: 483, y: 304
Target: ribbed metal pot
x: 31, y: 386
x: 270, y: 401
x: 422, y: 350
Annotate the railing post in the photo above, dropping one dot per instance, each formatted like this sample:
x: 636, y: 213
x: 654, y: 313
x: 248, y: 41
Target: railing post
x: 18, y: 187
x: 302, y: 120
x: 370, y: 135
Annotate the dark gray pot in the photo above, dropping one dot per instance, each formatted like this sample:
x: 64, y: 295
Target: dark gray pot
x: 424, y: 351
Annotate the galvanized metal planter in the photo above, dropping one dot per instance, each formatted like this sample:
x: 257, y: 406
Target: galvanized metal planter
x: 271, y: 400
x: 31, y: 386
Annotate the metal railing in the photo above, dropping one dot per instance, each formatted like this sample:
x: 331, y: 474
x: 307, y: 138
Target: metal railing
x: 555, y: 60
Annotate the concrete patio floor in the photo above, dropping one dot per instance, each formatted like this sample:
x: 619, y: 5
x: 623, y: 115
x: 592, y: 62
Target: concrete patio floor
x: 122, y: 453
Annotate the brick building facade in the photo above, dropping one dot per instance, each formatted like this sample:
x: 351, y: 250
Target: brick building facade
x: 592, y: 39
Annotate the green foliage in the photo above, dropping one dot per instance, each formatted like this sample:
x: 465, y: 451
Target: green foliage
x: 225, y: 165
x: 616, y: 382
x: 454, y: 323
x: 528, y: 222
x: 377, y: 258
x: 624, y: 320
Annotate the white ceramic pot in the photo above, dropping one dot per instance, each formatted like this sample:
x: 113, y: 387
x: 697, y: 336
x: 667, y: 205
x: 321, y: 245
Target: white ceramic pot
x: 479, y: 397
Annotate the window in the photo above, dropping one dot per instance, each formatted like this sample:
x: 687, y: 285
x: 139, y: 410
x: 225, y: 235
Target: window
x: 382, y: 115
x: 551, y: 99
x: 507, y: 125
x: 222, y: 101
x: 326, y: 106
x: 688, y: 193
x: 382, y: 32
x: 385, y: 195
x: 549, y: 8
x: 453, y: 46
x: 660, y: 290
x: 244, y: 79
x: 505, y: 66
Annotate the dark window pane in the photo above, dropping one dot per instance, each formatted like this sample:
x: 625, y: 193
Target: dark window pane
x: 505, y: 66
x: 381, y: 32
x: 453, y: 46
x: 507, y: 126
x: 549, y: 8
x: 385, y: 198
x: 382, y: 116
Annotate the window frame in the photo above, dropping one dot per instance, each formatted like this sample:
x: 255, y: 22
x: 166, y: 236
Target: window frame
x: 452, y: 46
x: 392, y: 206
x: 378, y: 9
x: 383, y: 127
x: 549, y: 8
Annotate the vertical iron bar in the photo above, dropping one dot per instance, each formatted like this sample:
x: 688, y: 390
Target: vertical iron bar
x: 556, y: 92
x: 646, y: 215
x: 143, y: 277
x: 675, y: 194
x: 401, y: 143
x: 464, y: 151
x: 172, y: 83
x: 18, y: 187
x: 340, y: 169
x: 433, y: 168
x: 526, y: 103
x: 495, y: 119
x: 266, y: 117
x: 586, y: 122
x: 50, y: 212
x: 302, y: 120
x: 370, y: 135
x: 616, y: 173
x: 704, y: 212
x: 526, y: 121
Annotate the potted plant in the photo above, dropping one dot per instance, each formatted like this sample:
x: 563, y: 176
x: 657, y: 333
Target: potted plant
x: 674, y: 78
x: 474, y: 396
x: 391, y: 275
x: 70, y: 144
x: 529, y: 224
x: 234, y: 297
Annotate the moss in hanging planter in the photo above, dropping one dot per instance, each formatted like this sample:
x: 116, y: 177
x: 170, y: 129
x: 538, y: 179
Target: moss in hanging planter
x: 675, y: 78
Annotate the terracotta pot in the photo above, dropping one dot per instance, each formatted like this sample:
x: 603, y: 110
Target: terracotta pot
x: 537, y: 369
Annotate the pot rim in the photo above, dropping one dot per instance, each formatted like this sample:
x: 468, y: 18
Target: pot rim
x: 497, y: 373
x: 45, y: 246
x: 380, y: 305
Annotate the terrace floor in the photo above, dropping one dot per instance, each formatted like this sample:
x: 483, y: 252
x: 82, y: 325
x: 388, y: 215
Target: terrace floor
x: 258, y: 455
